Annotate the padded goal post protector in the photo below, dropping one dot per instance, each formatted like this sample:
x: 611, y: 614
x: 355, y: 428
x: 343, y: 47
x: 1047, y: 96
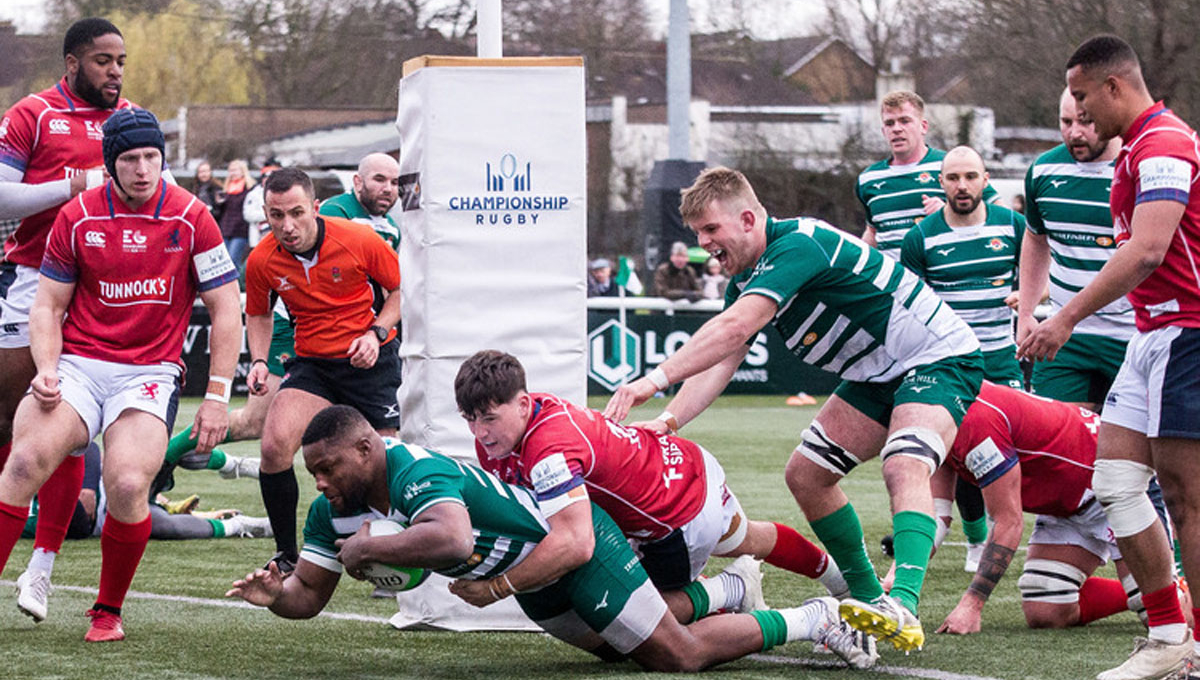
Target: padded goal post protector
x: 493, y: 187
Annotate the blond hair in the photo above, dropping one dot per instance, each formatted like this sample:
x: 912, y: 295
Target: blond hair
x: 715, y: 184
x: 897, y: 99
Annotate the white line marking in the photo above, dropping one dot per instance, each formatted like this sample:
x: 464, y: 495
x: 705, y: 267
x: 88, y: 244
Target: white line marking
x: 209, y: 602
x: 931, y: 673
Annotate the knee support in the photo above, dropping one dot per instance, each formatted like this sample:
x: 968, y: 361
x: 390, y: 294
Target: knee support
x: 1120, y: 486
x: 916, y: 442
x: 816, y: 446
x: 1050, y: 581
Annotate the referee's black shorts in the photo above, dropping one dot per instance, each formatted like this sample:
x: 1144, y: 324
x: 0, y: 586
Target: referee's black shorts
x: 370, y: 390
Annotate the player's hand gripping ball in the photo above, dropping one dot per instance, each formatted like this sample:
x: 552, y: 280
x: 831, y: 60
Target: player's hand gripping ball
x: 387, y: 576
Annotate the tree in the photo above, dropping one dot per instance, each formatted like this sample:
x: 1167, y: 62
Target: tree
x: 181, y: 56
x: 594, y: 29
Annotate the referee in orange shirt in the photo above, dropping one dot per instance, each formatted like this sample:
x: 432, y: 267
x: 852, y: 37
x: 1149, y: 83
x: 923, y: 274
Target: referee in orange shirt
x: 341, y: 285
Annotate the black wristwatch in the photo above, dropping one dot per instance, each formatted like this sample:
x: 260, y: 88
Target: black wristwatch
x: 380, y: 332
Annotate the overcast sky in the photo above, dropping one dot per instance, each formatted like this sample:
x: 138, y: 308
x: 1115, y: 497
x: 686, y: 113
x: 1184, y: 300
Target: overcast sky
x: 767, y: 19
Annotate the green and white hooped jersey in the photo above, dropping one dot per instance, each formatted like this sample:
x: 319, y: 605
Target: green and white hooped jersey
x: 346, y: 205
x: 892, y: 196
x: 972, y: 268
x: 1068, y: 202
x: 846, y: 308
x: 505, y: 519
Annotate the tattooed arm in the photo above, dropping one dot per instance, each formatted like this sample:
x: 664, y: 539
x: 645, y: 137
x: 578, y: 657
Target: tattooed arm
x: 1002, y: 498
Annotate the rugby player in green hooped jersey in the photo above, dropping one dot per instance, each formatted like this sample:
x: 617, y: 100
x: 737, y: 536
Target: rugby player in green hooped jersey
x: 589, y: 590
x: 968, y: 252
x: 899, y: 190
x: 376, y: 188
x: 910, y: 369
x: 1070, y: 237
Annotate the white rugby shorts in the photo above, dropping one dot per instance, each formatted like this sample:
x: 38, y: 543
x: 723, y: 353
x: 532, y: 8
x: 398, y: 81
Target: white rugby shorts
x: 100, y: 391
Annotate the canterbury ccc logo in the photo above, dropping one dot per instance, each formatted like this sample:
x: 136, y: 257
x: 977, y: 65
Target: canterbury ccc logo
x: 60, y: 126
x: 94, y: 239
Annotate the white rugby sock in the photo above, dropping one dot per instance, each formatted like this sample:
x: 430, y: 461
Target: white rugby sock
x: 725, y: 591
x: 42, y: 560
x: 802, y: 622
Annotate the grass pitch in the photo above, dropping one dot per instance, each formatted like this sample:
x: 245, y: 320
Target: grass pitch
x: 191, y: 635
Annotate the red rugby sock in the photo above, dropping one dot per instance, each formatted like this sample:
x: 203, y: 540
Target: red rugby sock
x: 1100, y: 597
x: 796, y: 553
x: 12, y: 522
x: 56, y: 504
x: 121, y: 549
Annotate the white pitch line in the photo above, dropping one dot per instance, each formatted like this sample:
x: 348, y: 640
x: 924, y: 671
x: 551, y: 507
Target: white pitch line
x: 208, y: 602
x: 929, y: 673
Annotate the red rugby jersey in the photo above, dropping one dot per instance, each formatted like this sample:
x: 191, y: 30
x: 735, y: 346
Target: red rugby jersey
x: 1053, y: 442
x: 649, y: 484
x: 48, y: 136
x: 136, y: 272
x: 1159, y: 161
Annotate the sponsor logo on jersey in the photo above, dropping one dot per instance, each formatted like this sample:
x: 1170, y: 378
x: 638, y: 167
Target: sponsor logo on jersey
x: 173, y: 245
x: 924, y: 178
x: 879, y: 185
x: 283, y: 284
x: 133, y: 241
x: 156, y: 289
x: 945, y: 251
x: 1056, y: 183
x: 59, y: 126
x: 809, y: 339
x: 996, y: 244
x: 336, y: 273
x: 761, y: 267
x: 95, y: 239
x: 94, y: 129
x: 411, y: 491
x: 984, y: 458
x: 1104, y: 241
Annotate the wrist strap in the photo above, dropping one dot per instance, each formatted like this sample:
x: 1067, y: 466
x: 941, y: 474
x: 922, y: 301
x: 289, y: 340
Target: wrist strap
x: 659, y: 378
x: 669, y: 418
x: 226, y: 388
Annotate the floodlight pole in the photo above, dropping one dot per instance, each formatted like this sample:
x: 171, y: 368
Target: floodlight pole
x: 487, y: 30
x: 679, y: 81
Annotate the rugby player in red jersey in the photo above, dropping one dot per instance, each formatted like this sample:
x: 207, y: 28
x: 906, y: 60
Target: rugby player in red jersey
x: 123, y: 264
x: 667, y: 494
x: 1151, y: 418
x: 49, y: 153
x: 1031, y: 454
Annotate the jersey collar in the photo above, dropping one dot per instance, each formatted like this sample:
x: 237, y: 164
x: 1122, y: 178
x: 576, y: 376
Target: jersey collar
x: 1156, y: 110
x: 113, y: 200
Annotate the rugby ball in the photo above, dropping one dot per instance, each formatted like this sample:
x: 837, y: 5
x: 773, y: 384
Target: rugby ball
x: 387, y: 576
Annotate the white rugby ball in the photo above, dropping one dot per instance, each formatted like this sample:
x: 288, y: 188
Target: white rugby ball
x: 387, y: 576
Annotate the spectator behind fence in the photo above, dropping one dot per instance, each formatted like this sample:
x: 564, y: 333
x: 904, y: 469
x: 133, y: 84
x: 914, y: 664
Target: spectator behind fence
x: 674, y: 279
x: 600, y: 279
x: 713, y: 281
x: 234, y: 228
x: 209, y: 190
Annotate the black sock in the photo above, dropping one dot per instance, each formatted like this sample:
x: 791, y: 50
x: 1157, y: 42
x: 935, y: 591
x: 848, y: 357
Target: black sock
x: 969, y: 499
x: 280, y: 494
x: 105, y: 608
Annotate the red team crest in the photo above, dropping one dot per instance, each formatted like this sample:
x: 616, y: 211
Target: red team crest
x: 150, y: 391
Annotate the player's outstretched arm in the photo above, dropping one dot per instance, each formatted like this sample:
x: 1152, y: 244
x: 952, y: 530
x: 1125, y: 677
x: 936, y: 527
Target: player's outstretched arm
x: 696, y: 394
x: 300, y: 596
x: 1002, y: 498
x: 719, y: 337
x: 19, y: 200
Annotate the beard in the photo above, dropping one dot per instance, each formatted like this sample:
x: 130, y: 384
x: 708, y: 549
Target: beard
x: 1086, y: 153
x: 954, y: 205
x: 92, y: 94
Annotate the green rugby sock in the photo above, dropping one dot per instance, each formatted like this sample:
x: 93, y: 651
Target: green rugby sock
x: 700, y: 601
x: 842, y: 535
x: 182, y: 444
x: 976, y: 530
x: 774, y: 627
x: 914, y: 532
x: 216, y: 460
x: 218, y: 528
